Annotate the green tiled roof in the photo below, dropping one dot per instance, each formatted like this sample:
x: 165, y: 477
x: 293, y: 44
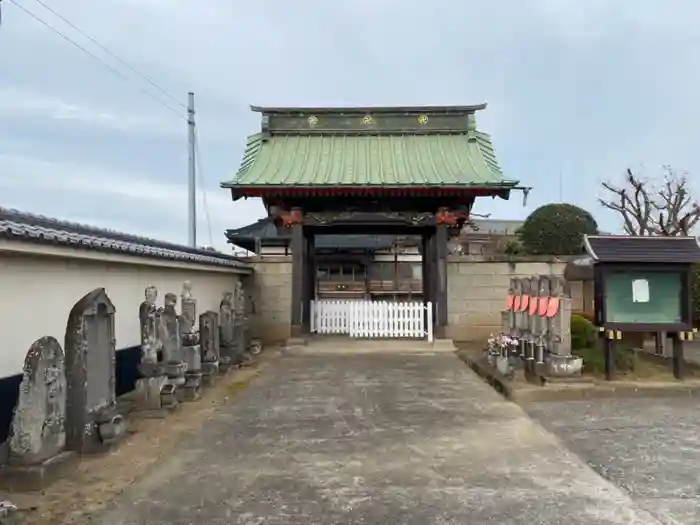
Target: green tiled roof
x: 449, y: 159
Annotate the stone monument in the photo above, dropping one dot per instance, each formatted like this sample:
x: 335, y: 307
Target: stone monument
x: 229, y: 343
x: 522, y: 302
x: 153, y: 392
x: 242, y: 324
x: 92, y: 420
x: 212, y: 362
x: 189, y: 344
x: 38, y: 437
x: 560, y: 361
x: 542, y: 324
x: 173, y: 364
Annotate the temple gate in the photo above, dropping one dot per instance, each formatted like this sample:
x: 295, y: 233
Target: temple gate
x: 401, y: 171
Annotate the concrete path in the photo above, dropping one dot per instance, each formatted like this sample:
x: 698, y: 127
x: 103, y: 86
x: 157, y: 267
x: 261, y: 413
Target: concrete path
x: 375, y: 438
x: 650, y: 448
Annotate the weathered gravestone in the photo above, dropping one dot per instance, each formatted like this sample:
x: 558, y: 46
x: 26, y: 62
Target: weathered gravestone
x: 38, y: 435
x: 92, y: 420
x: 189, y: 344
x: 227, y: 329
x: 153, y: 393
x: 173, y: 364
x: 209, y: 338
x: 242, y: 326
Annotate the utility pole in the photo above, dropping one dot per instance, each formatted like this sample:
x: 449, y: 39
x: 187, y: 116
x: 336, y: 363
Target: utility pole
x: 192, y: 190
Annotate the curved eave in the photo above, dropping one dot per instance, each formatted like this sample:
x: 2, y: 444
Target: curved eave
x: 502, y: 190
x: 457, y: 164
x: 369, y: 109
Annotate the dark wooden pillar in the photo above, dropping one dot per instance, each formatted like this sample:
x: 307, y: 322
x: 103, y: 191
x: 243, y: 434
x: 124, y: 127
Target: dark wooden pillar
x: 431, y: 273
x: 440, y: 289
x: 425, y: 266
x: 678, y: 357
x: 309, y: 280
x: 609, y: 346
x: 298, y: 270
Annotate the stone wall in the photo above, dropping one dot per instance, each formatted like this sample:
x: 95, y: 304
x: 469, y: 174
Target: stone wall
x: 477, y: 289
x: 271, y: 294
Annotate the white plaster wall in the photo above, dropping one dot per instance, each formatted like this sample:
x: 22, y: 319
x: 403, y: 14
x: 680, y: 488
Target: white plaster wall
x: 272, y: 250
x: 38, y: 292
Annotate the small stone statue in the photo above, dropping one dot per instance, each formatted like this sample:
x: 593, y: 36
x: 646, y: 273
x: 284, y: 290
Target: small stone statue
x: 239, y: 304
x: 154, y: 393
x: 169, y: 327
x: 186, y: 294
x: 150, y: 341
x: 189, y: 343
x: 227, y: 339
x: 189, y: 309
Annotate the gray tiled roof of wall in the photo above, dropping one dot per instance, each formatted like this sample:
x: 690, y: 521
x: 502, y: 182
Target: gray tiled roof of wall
x: 626, y: 249
x: 40, y: 229
x: 266, y: 229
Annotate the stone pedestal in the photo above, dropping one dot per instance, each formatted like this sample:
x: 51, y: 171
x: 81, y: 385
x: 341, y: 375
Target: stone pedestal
x: 29, y: 478
x: 175, y: 371
x: 155, y: 394
x: 209, y: 373
x: 224, y: 365
x: 241, y: 348
x: 193, y: 386
x: 192, y: 358
x: 563, y: 366
x: 111, y: 428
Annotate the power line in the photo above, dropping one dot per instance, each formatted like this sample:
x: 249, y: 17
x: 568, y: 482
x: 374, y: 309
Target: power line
x: 110, y: 53
x: 98, y: 59
x: 202, y: 188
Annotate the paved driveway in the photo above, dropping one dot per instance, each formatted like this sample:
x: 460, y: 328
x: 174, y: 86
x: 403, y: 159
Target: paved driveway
x: 648, y: 447
x: 375, y: 439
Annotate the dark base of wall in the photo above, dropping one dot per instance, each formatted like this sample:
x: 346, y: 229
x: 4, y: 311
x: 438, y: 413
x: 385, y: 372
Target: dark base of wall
x: 126, y: 375
x: 127, y: 371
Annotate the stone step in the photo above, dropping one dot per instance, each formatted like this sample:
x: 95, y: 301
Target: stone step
x: 342, y: 345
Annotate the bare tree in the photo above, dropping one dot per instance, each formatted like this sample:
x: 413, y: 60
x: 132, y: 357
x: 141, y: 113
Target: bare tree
x: 651, y: 209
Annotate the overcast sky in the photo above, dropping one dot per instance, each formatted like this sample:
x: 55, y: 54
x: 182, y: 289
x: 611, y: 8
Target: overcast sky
x: 577, y: 90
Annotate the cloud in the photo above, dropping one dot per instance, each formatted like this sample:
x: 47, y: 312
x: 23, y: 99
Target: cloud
x: 21, y: 104
x: 152, y: 208
x: 581, y: 89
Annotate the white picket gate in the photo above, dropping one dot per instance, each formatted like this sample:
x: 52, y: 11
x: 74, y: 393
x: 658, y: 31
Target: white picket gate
x: 372, y: 319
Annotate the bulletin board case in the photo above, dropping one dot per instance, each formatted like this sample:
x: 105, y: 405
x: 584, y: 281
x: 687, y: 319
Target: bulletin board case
x: 643, y: 297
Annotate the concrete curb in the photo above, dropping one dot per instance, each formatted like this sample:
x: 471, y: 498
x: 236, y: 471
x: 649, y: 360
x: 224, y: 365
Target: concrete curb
x: 578, y: 391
